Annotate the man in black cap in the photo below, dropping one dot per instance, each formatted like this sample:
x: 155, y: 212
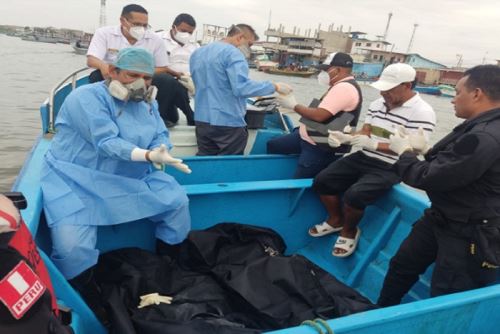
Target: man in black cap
x: 338, y: 107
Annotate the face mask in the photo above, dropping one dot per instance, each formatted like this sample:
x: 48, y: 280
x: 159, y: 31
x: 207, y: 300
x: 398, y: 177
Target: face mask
x: 245, y: 49
x: 324, y: 78
x: 182, y: 37
x: 135, y: 91
x: 137, y: 32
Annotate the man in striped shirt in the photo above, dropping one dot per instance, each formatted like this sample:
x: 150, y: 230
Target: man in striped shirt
x: 367, y: 174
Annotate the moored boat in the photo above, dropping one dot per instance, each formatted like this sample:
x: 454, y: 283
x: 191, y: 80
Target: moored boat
x: 431, y: 90
x: 447, y: 90
x: 285, y: 71
x: 79, y: 47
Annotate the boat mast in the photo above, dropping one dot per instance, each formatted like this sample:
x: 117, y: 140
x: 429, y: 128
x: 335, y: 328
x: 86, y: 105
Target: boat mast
x: 412, y: 37
x: 102, y: 16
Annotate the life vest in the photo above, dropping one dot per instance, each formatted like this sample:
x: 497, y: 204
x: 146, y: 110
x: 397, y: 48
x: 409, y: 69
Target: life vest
x: 318, y: 131
x: 27, y: 299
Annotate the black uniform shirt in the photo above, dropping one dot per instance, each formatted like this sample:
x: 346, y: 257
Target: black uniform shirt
x: 461, y: 173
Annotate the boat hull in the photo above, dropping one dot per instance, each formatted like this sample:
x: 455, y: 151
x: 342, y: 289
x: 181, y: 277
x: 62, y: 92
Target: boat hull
x: 303, y: 74
x: 258, y: 190
x: 431, y: 90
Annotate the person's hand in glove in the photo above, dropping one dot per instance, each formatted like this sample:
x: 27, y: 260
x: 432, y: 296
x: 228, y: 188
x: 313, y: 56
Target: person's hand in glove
x: 283, y: 88
x: 399, y: 143
x: 187, y: 82
x: 287, y: 101
x: 365, y: 142
x: 337, y: 138
x: 418, y: 141
x: 159, y: 156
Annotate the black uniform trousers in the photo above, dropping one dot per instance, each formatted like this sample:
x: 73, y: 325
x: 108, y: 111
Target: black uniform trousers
x: 448, y: 244
x: 171, y: 95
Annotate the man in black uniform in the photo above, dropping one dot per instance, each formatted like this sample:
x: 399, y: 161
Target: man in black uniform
x: 460, y: 232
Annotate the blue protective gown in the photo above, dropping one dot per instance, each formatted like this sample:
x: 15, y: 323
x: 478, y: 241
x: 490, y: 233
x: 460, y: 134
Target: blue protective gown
x: 220, y: 74
x: 88, y: 178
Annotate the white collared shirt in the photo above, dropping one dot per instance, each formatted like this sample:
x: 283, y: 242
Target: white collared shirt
x: 178, y: 55
x: 107, y: 41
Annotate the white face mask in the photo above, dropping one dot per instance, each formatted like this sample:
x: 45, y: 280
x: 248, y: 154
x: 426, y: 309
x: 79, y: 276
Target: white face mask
x: 182, y: 37
x: 324, y: 78
x: 136, y: 91
x: 245, y: 49
x: 137, y: 32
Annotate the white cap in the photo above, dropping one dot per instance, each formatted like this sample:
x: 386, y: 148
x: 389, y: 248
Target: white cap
x: 394, y: 75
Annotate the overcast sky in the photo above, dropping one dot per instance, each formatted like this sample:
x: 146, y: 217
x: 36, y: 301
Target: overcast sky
x: 446, y: 27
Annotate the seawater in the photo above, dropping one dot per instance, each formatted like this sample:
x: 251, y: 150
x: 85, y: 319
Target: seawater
x: 29, y: 71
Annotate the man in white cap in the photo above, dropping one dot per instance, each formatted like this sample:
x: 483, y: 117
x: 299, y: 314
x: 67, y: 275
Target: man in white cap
x: 367, y: 174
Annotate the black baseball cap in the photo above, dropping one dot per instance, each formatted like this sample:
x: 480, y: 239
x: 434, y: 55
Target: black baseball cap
x: 339, y: 59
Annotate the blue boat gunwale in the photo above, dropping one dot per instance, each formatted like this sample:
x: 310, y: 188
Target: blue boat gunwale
x: 346, y: 324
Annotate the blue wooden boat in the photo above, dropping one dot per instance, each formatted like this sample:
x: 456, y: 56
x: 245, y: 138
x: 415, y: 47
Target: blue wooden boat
x: 257, y: 189
x: 431, y: 90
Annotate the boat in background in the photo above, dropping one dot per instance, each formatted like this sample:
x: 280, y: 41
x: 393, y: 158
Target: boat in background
x: 80, y: 47
x: 447, y: 90
x: 262, y: 62
x: 367, y: 72
x: 304, y: 73
x: 431, y: 90
x: 40, y: 38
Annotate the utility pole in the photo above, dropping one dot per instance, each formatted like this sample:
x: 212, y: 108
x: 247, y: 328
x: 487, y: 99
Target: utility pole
x: 387, y: 26
x: 102, y: 16
x: 484, y: 57
x: 412, y: 37
x: 460, y: 60
x: 268, y: 25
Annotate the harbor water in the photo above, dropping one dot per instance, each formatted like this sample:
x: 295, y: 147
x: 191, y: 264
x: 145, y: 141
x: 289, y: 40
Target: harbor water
x: 29, y: 71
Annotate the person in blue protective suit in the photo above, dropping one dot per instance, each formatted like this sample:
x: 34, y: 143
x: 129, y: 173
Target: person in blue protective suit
x: 220, y: 74
x: 108, y: 136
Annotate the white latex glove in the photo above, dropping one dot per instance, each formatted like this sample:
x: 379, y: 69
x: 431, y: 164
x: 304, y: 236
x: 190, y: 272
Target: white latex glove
x: 161, y: 156
x: 154, y: 299
x: 187, y: 82
x: 337, y: 138
x: 419, y: 142
x: 364, y: 141
x: 400, y: 143
x: 287, y: 101
x: 283, y: 88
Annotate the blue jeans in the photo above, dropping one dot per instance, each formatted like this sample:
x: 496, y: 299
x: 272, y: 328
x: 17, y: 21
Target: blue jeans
x: 312, y: 159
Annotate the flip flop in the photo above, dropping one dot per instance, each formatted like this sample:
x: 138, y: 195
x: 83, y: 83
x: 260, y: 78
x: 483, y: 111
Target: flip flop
x: 323, y: 229
x: 347, y: 244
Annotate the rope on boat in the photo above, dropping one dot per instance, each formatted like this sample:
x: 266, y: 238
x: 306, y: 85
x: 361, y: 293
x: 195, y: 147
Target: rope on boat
x: 317, y: 324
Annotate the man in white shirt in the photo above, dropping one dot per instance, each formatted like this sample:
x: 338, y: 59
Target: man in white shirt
x: 180, y: 45
x: 133, y: 31
x: 366, y: 175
